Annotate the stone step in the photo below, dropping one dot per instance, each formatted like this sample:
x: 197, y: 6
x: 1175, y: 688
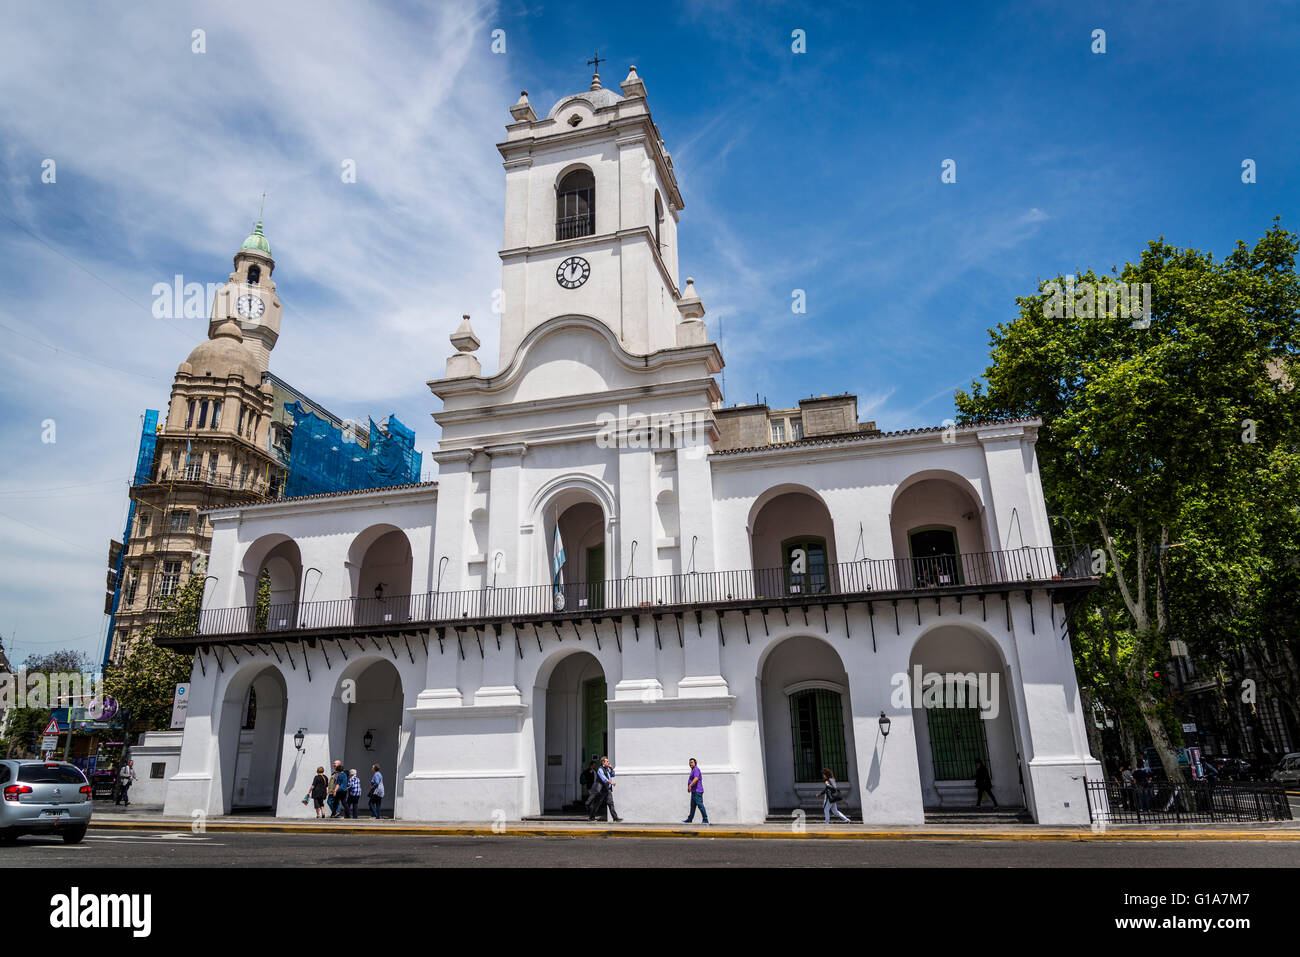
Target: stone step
x: 977, y: 815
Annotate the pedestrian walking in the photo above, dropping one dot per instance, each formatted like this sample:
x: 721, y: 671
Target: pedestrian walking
x: 831, y: 797
x: 376, y: 794
x: 125, y: 778
x: 1129, y: 785
x: 695, y: 787
x: 319, y: 788
x: 983, y: 784
x: 605, y: 802
x: 354, y: 794
x: 588, y: 780
x: 338, y: 790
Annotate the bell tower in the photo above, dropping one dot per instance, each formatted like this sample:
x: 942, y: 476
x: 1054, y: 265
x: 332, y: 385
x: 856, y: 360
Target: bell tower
x: 248, y: 299
x: 592, y: 205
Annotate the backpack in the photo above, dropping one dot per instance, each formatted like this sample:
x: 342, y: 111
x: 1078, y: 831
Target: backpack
x: 832, y: 793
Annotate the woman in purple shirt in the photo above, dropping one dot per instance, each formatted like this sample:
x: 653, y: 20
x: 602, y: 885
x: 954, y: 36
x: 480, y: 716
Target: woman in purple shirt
x: 695, y: 785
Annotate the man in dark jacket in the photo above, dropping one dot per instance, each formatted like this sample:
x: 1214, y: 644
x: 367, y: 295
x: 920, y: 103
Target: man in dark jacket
x: 983, y: 784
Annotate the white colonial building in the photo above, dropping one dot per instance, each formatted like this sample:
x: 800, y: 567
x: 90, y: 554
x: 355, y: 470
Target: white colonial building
x: 762, y: 590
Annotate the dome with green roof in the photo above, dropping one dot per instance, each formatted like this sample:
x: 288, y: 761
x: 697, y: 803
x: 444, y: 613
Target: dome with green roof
x: 257, y: 241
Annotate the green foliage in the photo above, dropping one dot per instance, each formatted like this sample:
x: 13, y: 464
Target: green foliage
x: 263, y: 609
x: 144, y: 683
x: 1177, y: 445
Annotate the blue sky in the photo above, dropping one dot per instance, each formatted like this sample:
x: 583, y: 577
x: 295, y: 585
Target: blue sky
x: 817, y: 171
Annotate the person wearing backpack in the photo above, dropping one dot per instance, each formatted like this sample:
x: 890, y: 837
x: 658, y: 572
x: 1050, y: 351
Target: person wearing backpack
x: 339, y: 792
x: 830, y: 797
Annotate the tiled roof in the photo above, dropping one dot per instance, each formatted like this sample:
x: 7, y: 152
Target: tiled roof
x: 319, y: 495
x: 841, y: 438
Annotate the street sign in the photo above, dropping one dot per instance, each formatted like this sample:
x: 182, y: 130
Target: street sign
x: 52, y: 727
x: 50, y: 743
x: 180, y: 706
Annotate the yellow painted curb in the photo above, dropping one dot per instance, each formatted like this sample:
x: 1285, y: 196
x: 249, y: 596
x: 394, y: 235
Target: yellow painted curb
x: 1113, y: 834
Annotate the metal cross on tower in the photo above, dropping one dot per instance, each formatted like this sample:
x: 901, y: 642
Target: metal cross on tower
x: 595, y: 63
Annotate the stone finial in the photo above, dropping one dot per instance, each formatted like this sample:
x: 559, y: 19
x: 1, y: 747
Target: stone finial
x: 595, y: 82
x: 523, y: 110
x: 632, y: 86
x: 689, y: 305
x: 463, y: 338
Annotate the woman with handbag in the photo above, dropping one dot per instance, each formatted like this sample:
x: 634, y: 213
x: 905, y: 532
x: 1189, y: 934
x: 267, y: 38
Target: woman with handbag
x: 830, y: 796
x: 319, y: 786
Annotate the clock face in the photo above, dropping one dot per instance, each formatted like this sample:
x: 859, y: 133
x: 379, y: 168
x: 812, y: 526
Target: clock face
x: 573, y: 272
x: 250, y: 307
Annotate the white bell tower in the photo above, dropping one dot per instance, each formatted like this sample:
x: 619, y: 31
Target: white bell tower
x: 592, y: 206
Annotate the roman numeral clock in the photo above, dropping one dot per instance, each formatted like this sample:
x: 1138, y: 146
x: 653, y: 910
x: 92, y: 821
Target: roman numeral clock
x: 573, y: 272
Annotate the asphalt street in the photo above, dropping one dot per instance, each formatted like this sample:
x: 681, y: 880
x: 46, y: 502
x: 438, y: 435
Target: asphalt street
x: 104, y: 848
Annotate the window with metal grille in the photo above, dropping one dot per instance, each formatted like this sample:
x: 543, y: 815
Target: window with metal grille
x: 956, y: 740
x: 817, y: 728
x: 575, y: 205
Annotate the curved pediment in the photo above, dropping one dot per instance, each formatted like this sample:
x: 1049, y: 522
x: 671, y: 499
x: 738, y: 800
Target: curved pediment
x: 577, y: 355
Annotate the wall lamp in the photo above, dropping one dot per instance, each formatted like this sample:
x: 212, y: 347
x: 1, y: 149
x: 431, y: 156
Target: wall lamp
x: 884, y: 724
x: 299, y: 738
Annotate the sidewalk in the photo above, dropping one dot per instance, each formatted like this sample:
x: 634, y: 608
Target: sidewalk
x: 137, y: 818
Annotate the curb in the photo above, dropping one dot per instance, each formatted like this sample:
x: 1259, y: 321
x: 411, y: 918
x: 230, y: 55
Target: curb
x: 719, y: 833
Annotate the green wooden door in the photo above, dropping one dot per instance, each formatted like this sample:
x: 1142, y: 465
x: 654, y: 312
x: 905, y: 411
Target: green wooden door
x: 594, y: 717
x: 596, y: 577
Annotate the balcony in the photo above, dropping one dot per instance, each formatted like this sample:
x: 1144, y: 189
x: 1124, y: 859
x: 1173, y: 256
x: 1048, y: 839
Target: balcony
x: 571, y: 227
x: 215, y: 478
x: 879, y: 580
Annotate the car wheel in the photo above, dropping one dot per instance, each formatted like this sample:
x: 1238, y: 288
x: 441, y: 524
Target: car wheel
x: 74, y: 835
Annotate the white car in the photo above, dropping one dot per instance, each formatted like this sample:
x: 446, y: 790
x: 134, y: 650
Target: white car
x: 1288, y: 772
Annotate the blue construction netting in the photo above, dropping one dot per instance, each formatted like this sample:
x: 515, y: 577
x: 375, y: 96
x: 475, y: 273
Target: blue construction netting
x: 143, y: 474
x: 325, y: 458
x: 148, y: 442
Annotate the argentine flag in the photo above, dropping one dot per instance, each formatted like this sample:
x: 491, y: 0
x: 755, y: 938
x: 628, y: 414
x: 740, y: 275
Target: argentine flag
x: 559, y: 556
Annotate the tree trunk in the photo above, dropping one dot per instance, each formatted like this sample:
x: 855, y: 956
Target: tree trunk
x: 1094, y: 733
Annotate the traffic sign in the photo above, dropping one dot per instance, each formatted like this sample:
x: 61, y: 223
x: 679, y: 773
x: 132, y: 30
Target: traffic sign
x: 50, y: 743
x: 52, y: 727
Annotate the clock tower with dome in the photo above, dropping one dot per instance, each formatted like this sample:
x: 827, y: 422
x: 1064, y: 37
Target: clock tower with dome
x: 248, y: 298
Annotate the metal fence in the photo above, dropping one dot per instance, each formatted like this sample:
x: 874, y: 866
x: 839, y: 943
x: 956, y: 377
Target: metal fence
x: 1023, y: 565
x: 1194, y: 802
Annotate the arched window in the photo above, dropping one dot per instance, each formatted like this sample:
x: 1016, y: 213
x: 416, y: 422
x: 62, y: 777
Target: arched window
x: 254, y: 275
x: 659, y: 220
x: 817, y: 730
x: 575, y: 205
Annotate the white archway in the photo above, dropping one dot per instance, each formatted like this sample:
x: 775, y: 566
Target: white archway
x: 250, y: 738
x: 969, y: 713
x: 806, y: 719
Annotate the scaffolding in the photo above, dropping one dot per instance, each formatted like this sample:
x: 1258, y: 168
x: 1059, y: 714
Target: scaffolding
x: 324, y: 457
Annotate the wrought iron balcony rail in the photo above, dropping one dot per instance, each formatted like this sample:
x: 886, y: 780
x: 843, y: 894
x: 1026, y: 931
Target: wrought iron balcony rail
x: 1023, y: 567
x: 571, y: 227
x: 248, y: 481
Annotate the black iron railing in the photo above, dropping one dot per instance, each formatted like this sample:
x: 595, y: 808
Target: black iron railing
x: 571, y: 227
x: 1024, y: 566
x: 1193, y: 802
